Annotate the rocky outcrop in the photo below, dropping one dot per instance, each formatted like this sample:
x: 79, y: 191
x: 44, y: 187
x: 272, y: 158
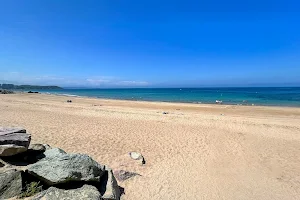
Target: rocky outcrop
x: 6, y: 91
x: 13, y: 141
x: 87, y: 192
x: 60, y: 174
x: 10, y: 184
x: 64, y: 168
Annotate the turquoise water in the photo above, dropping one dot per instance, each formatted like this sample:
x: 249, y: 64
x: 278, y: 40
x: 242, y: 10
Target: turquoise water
x: 279, y: 96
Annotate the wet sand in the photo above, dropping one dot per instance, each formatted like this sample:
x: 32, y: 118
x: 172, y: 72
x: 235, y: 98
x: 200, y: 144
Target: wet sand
x: 194, y: 152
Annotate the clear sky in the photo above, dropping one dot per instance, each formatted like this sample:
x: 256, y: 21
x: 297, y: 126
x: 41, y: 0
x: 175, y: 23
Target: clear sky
x: 118, y: 43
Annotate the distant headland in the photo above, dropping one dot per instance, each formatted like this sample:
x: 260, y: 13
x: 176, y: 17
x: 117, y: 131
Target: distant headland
x: 27, y: 87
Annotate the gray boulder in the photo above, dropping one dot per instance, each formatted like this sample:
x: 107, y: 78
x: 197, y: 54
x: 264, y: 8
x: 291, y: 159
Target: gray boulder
x: 37, y: 147
x: 13, y: 141
x: 17, y: 136
x: 11, y: 149
x: 58, y: 167
x: 109, y: 188
x: 10, y: 184
x: 34, y: 153
x: 55, y: 152
x: 87, y: 192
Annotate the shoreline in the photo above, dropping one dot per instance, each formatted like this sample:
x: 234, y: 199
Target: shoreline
x: 260, y: 97
x: 166, y: 106
x: 171, y: 102
x: 175, y: 102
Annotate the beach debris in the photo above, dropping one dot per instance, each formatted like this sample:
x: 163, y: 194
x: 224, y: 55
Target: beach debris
x: 123, y: 175
x: 69, y: 101
x: 43, y: 166
x: 219, y: 102
x: 129, y: 162
x: 222, y: 114
x: 136, y: 156
x: 165, y: 113
x: 128, y: 166
x: 31, y: 92
x: 13, y: 141
x: 10, y: 183
x: 88, y: 192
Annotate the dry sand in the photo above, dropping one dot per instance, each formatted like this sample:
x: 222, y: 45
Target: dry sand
x: 193, y: 152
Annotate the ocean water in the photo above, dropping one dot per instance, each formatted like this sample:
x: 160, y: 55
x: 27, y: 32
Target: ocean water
x: 272, y: 96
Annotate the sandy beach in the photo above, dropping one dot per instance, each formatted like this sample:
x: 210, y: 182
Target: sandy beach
x: 194, y: 152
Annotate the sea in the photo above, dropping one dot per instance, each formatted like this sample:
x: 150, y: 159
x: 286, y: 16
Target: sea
x: 267, y: 96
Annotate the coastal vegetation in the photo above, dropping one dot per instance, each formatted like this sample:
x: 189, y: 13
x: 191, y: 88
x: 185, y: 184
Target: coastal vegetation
x: 27, y: 87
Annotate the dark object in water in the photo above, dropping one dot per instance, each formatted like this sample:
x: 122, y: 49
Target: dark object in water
x: 69, y: 101
x: 33, y: 92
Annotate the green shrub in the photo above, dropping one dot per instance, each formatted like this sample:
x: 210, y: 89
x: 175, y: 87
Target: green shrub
x: 31, y: 189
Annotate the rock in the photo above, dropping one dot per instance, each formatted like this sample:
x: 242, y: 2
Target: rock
x: 87, y: 192
x: 109, y: 188
x: 47, y: 146
x: 62, y: 168
x: 137, y: 156
x: 165, y: 113
x: 17, y: 136
x: 54, y: 152
x: 123, y: 175
x: 6, y: 92
x: 11, y: 149
x: 128, y: 165
x: 37, y: 147
x: 17, y: 140
x: 10, y: 184
x: 2, y: 164
x: 34, y: 153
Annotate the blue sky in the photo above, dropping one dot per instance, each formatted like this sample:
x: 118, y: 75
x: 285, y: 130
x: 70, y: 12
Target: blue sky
x: 117, y: 43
